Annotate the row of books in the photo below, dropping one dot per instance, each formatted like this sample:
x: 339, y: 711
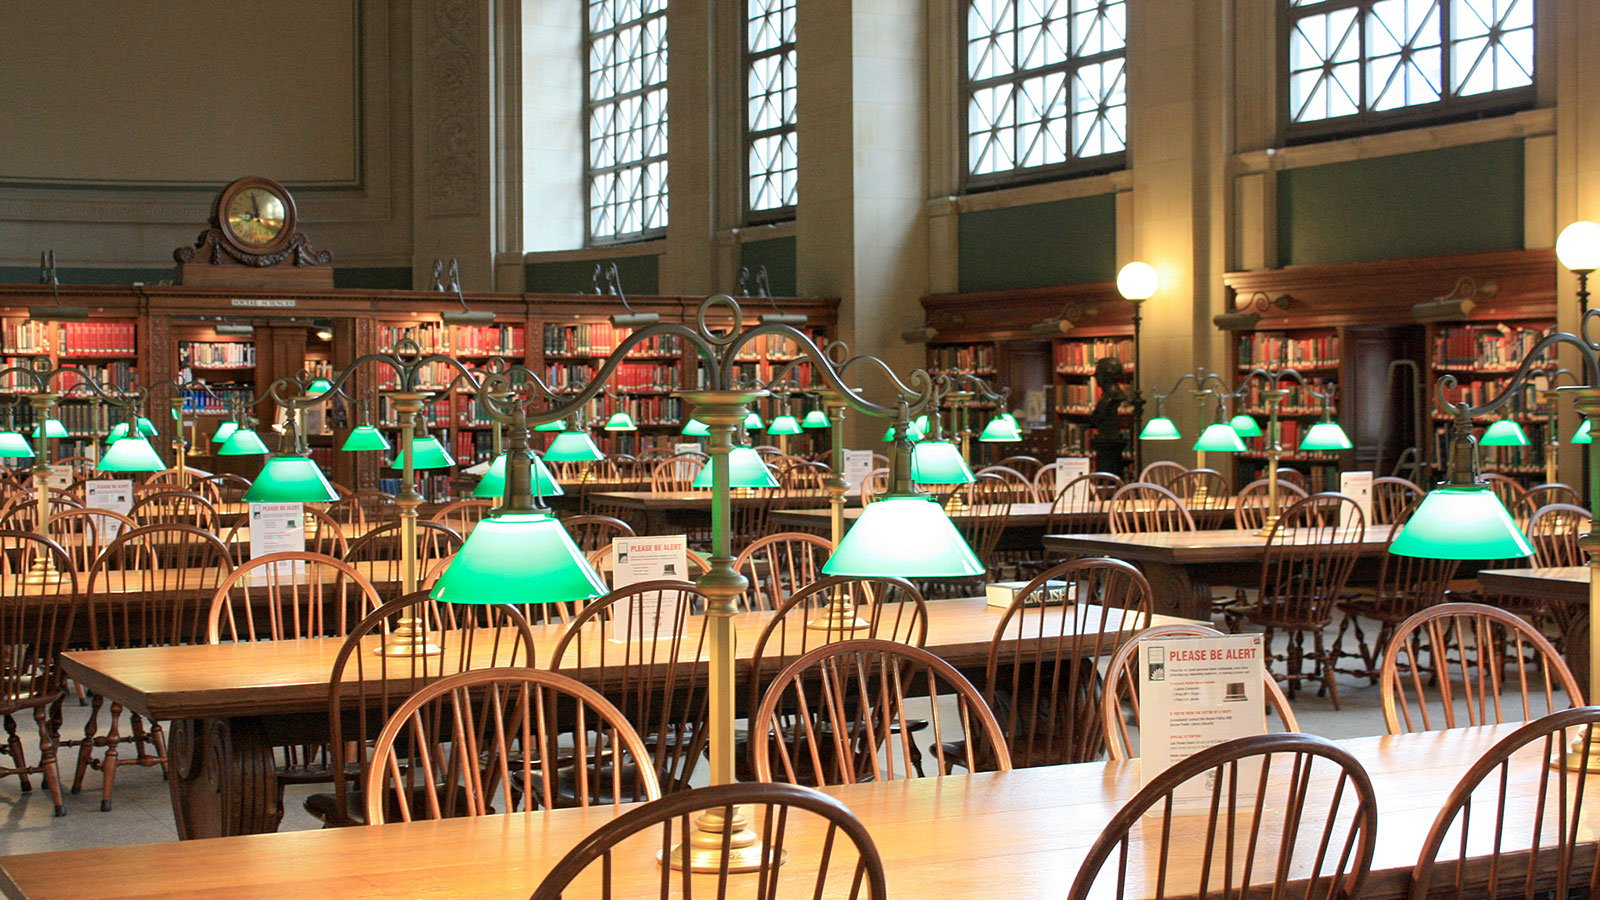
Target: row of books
x: 434, y: 486
x: 28, y: 336
x: 769, y: 346
x: 216, y: 402
x: 1083, y: 355
x: 968, y: 358
x: 471, y: 447
x: 601, y: 338
x: 216, y: 353
x: 1478, y: 392
x: 117, y: 376
x: 1298, y: 398
x: 98, y: 339
x: 431, y: 375
x: 1269, y: 349
x: 1499, y: 346
x: 83, y: 420
x: 654, y: 409
x: 474, y: 340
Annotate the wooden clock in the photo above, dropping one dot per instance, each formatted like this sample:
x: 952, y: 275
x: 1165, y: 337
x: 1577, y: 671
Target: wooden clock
x: 253, y: 241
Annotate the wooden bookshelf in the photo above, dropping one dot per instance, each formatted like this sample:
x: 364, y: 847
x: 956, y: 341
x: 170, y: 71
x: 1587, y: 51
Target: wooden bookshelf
x: 1352, y: 324
x: 989, y: 334
x: 105, y: 348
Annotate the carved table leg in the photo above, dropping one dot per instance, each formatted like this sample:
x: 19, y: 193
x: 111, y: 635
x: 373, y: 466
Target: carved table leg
x: 222, y: 780
x: 1174, y: 592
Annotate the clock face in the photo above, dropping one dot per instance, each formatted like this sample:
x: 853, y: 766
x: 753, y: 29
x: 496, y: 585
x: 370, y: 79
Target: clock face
x: 256, y: 216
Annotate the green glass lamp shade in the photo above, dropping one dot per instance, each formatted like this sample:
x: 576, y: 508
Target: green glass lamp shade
x: 1160, y: 428
x: 224, y: 431
x: 1461, y: 522
x: 426, y: 453
x: 621, y: 421
x: 905, y: 535
x: 146, y: 427
x: 117, y: 432
x: 696, y: 428
x: 1503, y: 433
x: 132, y: 454
x: 14, y: 445
x: 318, y: 387
x: 365, y: 437
x: 492, y: 486
x: 1001, y: 429
x: 52, y: 429
x: 1582, y: 436
x: 784, y: 424
x: 1219, y: 438
x: 1245, y: 426
x: 913, y: 433
x: 290, y: 479
x: 525, y: 557
x: 752, y: 422
x: 557, y: 425
x: 939, y: 462
x: 1326, y: 436
x: 243, y: 442
x: 745, y: 470
x: 815, y: 419
x: 573, y: 446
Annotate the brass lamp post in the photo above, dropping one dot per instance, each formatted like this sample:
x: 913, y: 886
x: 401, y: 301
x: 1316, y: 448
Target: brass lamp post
x: 1270, y: 379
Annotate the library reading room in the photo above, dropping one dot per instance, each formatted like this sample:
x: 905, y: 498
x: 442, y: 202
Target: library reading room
x: 1114, y: 449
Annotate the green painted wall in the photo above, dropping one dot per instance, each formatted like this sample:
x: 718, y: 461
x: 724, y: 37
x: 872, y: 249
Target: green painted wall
x: 394, y: 278
x: 1064, y: 242
x: 778, y: 255
x: 639, y: 274
x: 1456, y: 200
x: 30, y: 275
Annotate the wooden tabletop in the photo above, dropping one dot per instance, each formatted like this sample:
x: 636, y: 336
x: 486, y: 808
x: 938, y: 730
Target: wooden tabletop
x: 1020, y: 834
x: 1186, y: 547
x: 648, y: 500
x: 269, y: 677
x: 1027, y: 516
x: 1569, y: 583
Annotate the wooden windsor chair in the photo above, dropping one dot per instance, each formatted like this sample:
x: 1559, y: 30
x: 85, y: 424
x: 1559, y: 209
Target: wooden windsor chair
x: 592, y: 532
x: 36, y: 620
x: 481, y: 742
x: 1476, y: 654
x: 1237, y: 847
x: 1140, y: 507
x: 380, y: 550
x: 778, y: 565
x: 461, y: 515
x: 845, y: 712
x: 1392, y: 496
x: 172, y: 507
x: 1254, y: 503
x: 366, y: 689
x: 847, y: 864
x: 1406, y: 586
x: 1308, y: 560
x: 1163, y: 472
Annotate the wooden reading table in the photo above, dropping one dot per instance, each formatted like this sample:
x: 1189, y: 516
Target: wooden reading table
x: 230, y: 704
x: 1019, y: 835
x: 1174, y: 561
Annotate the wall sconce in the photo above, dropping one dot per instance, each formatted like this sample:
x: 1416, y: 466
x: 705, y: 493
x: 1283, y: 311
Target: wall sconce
x: 1248, y: 316
x: 1455, y: 305
x: 1064, y: 320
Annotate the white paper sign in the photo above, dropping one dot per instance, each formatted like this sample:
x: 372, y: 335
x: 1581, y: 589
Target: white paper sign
x: 60, y: 478
x: 116, y: 495
x: 687, y: 470
x: 1067, y: 469
x: 1195, y: 693
x: 857, y: 467
x: 277, y: 528
x: 654, y: 558
x: 1358, y: 487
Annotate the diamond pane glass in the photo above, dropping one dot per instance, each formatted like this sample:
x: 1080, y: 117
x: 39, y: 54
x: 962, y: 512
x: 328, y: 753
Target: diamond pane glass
x: 1045, y: 85
x: 770, y: 94
x: 627, y: 118
x: 1363, y: 59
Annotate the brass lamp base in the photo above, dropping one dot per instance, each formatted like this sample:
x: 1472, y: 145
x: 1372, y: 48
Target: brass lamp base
x: 1574, y: 759
x: 840, y: 615
x: 1270, y: 523
x: 43, y: 571
x: 703, y: 851
x: 409, y: 639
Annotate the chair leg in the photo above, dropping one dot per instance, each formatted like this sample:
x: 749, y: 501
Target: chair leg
x: 1325, y: 662
x: 86, y: 746
x: 49, y: 740
x: 14, y: 746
